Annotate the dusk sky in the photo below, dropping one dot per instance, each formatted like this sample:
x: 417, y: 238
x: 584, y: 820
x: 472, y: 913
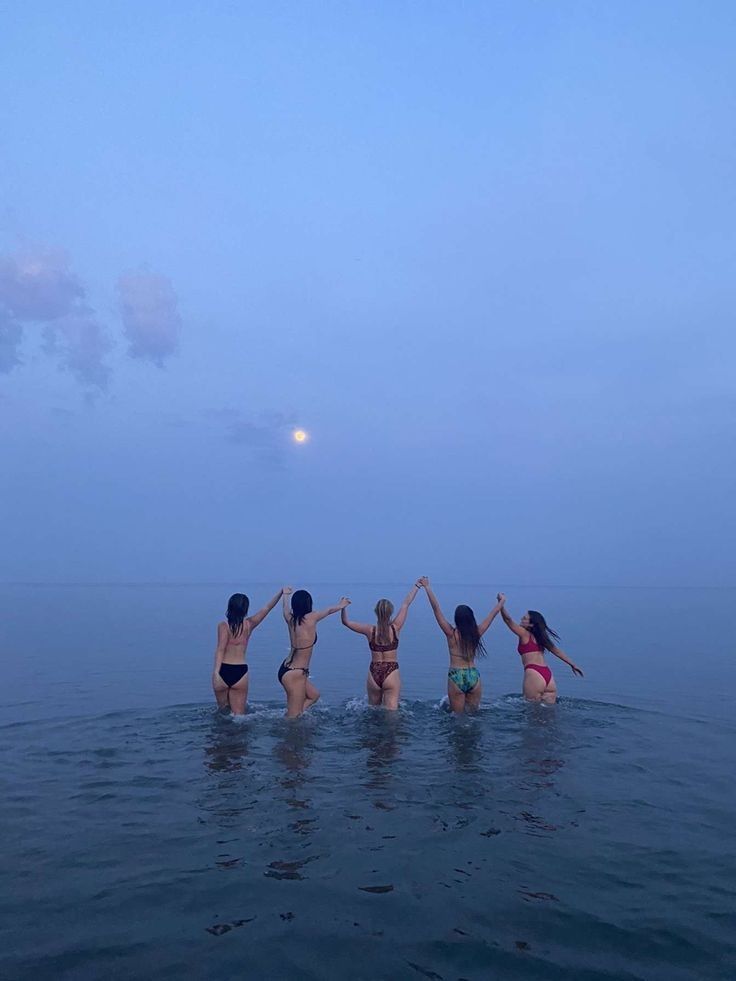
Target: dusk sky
x: 483, y: 253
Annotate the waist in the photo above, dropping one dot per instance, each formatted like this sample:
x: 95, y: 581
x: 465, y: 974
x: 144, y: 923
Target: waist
x: 533, y: 657
x: 384, y: 660
x: 240, y: 662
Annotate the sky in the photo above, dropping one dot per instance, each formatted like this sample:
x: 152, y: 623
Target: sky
x: 484, y: 253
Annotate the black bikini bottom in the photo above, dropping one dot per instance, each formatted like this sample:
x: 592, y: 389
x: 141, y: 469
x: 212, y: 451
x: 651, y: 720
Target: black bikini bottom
x: 287, y: 667
x: 232, y: 673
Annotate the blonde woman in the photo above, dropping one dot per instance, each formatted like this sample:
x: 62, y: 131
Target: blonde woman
x: 384, y: 681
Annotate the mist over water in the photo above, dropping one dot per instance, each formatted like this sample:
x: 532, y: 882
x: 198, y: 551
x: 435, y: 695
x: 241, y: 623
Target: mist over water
x: 581, y: 840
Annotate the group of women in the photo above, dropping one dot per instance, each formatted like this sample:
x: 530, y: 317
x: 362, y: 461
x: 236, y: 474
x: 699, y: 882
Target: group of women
x: 464, y: 642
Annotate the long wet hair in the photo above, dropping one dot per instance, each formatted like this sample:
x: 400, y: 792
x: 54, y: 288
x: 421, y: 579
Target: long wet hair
x: 471, y: 644
x: 544, y: 635
x: 301, y: 604
x: 384, y: 611
x: 237, y: 611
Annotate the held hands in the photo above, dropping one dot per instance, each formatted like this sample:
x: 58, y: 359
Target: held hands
x: 501, y: 598
x: 423, y: 581
x: 344, y: 601
x: 287, y: 590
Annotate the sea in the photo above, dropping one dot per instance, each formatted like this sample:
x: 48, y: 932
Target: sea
x: 145, y: 835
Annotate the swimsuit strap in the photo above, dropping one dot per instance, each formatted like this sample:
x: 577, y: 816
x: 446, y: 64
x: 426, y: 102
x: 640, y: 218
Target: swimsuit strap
x: 383, y: 648
x: 308, y: 645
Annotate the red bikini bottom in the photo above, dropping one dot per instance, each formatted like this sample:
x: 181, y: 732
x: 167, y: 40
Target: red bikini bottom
x: 545, y: 672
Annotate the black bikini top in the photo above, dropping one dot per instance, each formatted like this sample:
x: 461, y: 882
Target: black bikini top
x: 294, y: 649
x: 384, y: 648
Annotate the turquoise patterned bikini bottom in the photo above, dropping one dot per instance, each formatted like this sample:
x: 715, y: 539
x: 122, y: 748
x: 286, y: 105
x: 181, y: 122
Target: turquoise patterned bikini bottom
x: 465, y: 678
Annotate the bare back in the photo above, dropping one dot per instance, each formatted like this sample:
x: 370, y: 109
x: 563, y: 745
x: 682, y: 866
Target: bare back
x: 303, y: 637
x: 457, y: 656
x: 233, y: 648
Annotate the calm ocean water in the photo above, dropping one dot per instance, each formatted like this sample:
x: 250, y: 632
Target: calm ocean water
x: 145, y: 836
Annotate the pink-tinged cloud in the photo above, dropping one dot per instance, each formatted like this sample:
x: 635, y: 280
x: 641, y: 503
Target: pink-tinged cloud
x: 38, y: 286
x: 151, y: 321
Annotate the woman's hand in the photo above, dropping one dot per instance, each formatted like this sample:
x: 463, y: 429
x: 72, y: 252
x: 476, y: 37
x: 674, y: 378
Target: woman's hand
x: 344, y: 601
x: 576, y: 670
x: 501, y: 597
x: 287, y: 590
x: 423, y: 581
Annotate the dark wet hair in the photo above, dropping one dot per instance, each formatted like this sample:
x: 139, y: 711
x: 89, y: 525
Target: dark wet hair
x: 237, y: 611
x: 543, y: 634
x: 301, y: 604
x: 470, y: 643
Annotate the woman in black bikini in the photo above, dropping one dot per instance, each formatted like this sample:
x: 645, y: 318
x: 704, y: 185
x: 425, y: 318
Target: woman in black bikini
x: 294, y: 671
x: 384, y: 681
x: 230, y: 675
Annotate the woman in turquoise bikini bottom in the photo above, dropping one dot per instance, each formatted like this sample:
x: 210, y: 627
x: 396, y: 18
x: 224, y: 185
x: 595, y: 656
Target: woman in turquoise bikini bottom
x: 465, y: 678
x: 464, y: 644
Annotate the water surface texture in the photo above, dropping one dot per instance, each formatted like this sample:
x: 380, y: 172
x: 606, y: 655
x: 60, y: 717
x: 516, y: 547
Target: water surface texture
x: 144, y: 835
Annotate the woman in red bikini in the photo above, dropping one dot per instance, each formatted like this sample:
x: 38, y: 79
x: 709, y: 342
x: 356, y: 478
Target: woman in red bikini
x: 535, y: 637
x: 384, y: 681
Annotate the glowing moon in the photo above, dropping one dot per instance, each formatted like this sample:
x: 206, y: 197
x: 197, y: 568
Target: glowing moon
x: 300, y: 436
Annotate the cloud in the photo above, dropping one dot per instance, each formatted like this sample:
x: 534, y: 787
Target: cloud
x: 11, y: 335
x: 266, y: 435
x: 151, y: 321
x: 80, y: 344
x: 38, y: 287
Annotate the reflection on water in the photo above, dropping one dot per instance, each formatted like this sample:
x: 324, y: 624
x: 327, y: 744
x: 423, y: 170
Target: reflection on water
x: 540, y: 746
x: 225, y: 757
x: 380, y: 733
x: 464, y: 736
x: 294, y: 750
x: 226, y: 747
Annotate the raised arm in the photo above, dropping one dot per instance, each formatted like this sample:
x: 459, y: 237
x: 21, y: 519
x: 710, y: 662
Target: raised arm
x: 222, y: 629
x: 511, y: 624
x: 359, y: 628
x: 263, y: 613
x: 558, y: 652
x: 321, y: 614
x: 485, y: 624
x: 400, y: 618
x: 445, y: 627
x: 285, y: 609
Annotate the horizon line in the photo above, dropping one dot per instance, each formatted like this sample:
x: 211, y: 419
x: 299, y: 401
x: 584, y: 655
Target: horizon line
x: 129, y: 583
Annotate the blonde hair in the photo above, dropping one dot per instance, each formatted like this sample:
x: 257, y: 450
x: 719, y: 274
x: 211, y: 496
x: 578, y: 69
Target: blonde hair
x: 384, y: 609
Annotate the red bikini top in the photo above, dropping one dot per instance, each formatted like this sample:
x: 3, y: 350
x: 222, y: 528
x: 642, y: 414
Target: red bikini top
x: 531, y: 646
x: 384, y: 648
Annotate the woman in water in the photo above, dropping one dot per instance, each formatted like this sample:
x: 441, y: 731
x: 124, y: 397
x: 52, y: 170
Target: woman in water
x: 230, y: 676
x: 294, y: 671
x: 384, y: 681
x: 535, y: 637
x: 464, y: 643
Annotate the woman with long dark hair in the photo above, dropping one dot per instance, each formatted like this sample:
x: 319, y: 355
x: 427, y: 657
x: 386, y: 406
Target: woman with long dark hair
x: 535, y: 637
x: 230, y: 675
x: 384, y: 682
x: 464, y: 642
x: 302, y: 622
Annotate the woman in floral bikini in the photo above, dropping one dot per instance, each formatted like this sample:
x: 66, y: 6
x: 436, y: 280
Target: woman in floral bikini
x: 384, y: 681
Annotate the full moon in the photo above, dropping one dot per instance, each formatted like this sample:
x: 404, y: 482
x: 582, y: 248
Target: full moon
x: 300, y: 436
